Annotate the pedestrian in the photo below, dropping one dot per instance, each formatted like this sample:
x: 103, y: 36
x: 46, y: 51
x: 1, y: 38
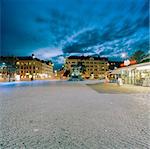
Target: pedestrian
x: 120, y: 82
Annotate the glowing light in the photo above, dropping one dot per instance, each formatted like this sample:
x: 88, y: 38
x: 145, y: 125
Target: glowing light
x: 123, y: 55
x: 17, y: 77
x: 126, y: 62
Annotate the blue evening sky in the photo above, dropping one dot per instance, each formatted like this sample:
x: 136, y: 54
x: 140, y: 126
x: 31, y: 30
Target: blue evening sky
x: 54, y: 29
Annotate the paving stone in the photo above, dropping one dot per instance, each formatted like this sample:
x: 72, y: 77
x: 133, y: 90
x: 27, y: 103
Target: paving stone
x: 72, y: 116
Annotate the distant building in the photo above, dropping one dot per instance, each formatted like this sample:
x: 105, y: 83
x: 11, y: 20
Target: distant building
x: 114, y: 64
x: 35, y: 68
x: 92, y: 67
x: 8, y: 68
x: 26, y: 67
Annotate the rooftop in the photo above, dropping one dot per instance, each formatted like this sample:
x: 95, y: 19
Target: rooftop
x: 6, y: 58
x: 88, y: 57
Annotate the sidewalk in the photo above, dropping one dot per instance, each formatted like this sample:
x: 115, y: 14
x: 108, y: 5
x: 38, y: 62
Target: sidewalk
x: 114, y: 88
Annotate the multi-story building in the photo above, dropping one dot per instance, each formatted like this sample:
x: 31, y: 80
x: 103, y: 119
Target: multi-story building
x: 8, y: 68
x: 94, y: 67
x: 27, y: 67
x: 30, y: 67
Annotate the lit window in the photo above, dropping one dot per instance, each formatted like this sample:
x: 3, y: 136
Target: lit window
x: 17, y: 63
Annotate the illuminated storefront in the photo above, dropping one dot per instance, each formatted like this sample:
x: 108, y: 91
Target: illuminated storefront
x: 138, y: 74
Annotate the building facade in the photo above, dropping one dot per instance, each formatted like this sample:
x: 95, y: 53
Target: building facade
x: 25, y: 68
x: 114, y: 65
x: 30, y: 67
x: 92, y: 67
x: 8, y: 68
x: 138, y: 74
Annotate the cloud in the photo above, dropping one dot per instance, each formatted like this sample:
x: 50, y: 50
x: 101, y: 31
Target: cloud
x: 47, y: 53
x: 58, y: 59
x: 74, y: 28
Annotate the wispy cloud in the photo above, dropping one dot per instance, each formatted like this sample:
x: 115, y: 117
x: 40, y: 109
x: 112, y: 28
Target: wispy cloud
x: 47, y: 53
x: 55, y: 31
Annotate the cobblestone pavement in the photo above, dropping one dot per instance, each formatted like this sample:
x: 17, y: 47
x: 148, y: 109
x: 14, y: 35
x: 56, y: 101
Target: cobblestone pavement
x: 112, y: 88
x: 72, y: 116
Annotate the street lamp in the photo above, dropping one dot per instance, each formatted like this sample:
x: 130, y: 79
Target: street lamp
x: 123, y: 55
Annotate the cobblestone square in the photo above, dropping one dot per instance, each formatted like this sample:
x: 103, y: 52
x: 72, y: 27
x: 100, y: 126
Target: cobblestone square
x: 66, y: 115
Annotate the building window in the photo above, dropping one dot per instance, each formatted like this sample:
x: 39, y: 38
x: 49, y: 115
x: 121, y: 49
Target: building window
x: 17, y: 63
x: 103, y: 68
